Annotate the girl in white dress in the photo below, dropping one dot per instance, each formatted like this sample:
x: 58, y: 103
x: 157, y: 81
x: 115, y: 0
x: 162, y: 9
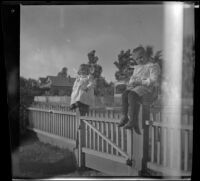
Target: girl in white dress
x: 82, y: 96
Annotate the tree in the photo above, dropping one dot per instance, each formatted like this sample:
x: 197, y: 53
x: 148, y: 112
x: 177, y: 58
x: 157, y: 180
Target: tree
x: 97, y: 69
x: 123, y: 64
x: 102, y: 87
x: 63, y: 72
x: 155, y: 58
x: 28, y: 89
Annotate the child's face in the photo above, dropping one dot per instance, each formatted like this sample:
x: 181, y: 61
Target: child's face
x: 139, y: 57
x: 83, y: 71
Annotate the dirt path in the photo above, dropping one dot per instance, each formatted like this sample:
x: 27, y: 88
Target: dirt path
x: 34, y: 159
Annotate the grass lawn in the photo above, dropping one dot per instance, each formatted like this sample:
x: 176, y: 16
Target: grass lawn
x: 34, y: 159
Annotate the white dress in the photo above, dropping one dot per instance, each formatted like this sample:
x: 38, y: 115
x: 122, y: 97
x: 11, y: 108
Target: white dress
x: 78, y: 92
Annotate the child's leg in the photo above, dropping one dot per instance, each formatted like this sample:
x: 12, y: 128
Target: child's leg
x: 134, y: 106
x: 83, y: 108
x: 125, y: 103
x: 124, y: 119
x: 73, y: 106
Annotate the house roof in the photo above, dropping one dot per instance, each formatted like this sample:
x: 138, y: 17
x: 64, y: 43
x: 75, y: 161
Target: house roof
x: 43, y: 80
x: 61, y: 81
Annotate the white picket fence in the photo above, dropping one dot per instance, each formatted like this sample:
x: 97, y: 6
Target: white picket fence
x: 101, y: 135
x: 166, y: 154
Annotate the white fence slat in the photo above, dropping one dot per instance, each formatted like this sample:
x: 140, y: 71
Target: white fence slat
x: 117, y: 137
x: 107, y: 135
x: 98, y: 137
x: 122, y: 138
x: 59, y: 122
x: 130, y: 142
x: 42, y: 121
x: 94, y: 136
x: 112, y: 136
x: 90, y: 137
x: 66, y: 127
x: 171, y: 147
x: 61, y: 125
x: 102, y: 130
x: 36, y: 119
x: 47, y: 122
x: 56, y: 118
x: 75, y: 127
x: 186, y: 150
x: 39, y: 120
x: 86, y: 136
x: 72, y: 127
x: 52, y: 120
x: 158, y: 152
x: 152, y: 144
x: 158, y: 145
x: 164, y: 138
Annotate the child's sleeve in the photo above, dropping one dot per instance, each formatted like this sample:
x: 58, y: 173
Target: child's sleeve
x: 154, y: 75
x: 132, y: 78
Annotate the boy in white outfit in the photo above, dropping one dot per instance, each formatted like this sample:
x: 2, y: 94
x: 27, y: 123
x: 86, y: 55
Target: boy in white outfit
x: 142, y: 83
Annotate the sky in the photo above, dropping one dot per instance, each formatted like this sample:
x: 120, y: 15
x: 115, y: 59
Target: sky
x: 52, y: 37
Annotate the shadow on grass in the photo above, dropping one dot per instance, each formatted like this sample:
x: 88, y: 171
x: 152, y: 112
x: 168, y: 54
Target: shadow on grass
x: 34, y: 159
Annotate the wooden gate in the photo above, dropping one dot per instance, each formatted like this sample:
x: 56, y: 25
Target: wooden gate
x: 105, y: 147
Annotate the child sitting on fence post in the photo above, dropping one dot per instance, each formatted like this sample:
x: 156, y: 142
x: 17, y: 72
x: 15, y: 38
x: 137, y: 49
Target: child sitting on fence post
x: 142, y: 83
x: 82, y: 96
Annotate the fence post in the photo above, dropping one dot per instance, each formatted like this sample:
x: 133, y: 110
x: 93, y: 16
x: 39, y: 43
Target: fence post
x: 130, y: 162
x: 81, y: 137
x: 135, y: 149
x: 145, y: 116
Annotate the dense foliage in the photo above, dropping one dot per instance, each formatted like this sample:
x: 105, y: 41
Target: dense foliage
x: 102, y: 87
x: 63, y: 72
x: 28, y: 89
x: 123, y: 65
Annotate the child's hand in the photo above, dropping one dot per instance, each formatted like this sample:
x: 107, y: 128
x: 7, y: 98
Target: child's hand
x: 137, y: 82
x: 134, y: 82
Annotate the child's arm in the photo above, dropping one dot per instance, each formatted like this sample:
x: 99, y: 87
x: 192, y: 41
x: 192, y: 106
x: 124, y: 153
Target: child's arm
x: 91, y: 83
x: 154, y: 75
x: 134, y: 81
